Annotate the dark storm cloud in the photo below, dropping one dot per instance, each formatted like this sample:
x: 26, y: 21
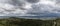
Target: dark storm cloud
x: 58, y: 1
x: 16, y: 2
x: 33, y: 1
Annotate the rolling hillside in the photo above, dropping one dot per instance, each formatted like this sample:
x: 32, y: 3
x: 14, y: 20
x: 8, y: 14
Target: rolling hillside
x: 14, y: 21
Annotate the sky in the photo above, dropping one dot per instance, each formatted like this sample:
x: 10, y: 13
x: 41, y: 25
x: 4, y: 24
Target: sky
x: 29, y: 7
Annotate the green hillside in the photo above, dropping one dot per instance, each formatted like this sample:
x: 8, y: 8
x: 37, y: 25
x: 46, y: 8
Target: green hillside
x: 14, y: 21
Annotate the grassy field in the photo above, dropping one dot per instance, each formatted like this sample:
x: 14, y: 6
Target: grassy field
x: 14, y: 21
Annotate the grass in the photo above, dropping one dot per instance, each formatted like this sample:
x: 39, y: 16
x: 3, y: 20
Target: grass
x: 14, y: 21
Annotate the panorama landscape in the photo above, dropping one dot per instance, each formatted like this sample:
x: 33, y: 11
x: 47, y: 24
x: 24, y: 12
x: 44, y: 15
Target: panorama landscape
x: 29, y: 12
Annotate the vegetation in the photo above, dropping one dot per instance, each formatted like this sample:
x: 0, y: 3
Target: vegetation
x: 14, y: 21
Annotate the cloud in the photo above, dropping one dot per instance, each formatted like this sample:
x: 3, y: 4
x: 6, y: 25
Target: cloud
x: 45, y: 8
x: 57, y: 1
x: 32, y: 1
x: 29, y: 8
x: 13, y: 7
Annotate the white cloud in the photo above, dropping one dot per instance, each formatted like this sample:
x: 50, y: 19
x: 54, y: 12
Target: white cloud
x: 9, y: 8
x: 45, y: 7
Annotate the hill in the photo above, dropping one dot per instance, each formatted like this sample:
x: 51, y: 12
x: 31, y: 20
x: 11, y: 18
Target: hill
x: 14, y: 21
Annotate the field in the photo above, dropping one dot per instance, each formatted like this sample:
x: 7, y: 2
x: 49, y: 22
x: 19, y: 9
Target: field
x: 14, y: 21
